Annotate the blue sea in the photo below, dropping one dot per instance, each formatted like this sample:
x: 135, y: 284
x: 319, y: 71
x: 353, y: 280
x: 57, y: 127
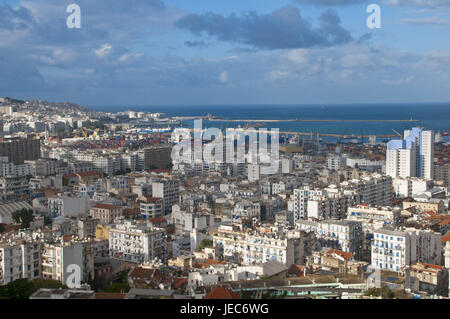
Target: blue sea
x: 435, y: 116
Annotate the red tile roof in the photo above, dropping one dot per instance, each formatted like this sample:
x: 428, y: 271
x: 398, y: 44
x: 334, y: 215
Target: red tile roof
x: 446, y: 237
x: 179, y: 282
x: 11, y: 227
x: 89, y: 173
x: 131, y: 211
x: 157, y: 220
x: 296, y: 270
x: 153, y: 199
x: 431, y: 266
x: 109, y: 295
x: 341, y: 253
x: 207, y: 263
x: 146, y: 273
x: 67, y: 176
x: 222, y: 293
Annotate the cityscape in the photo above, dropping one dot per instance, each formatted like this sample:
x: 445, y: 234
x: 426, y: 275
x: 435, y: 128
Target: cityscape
x: 98, y: 205
x: 256, y: 166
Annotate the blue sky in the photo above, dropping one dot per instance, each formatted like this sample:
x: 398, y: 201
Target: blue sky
x: 203, y: 52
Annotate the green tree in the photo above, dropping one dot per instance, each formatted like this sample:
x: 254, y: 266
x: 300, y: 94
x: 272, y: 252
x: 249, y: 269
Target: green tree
x: 2, y: 228
x: 24, y: 288
x: 375, y: 292
x: 206, y: 242
x: 17, y: 289
x: 387, y: 293
x: 46, y: 283
x: 47, y: 220
x: 118, y: 287
x: 23, y: 217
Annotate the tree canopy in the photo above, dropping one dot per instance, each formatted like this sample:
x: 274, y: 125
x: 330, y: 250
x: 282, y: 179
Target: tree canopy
x: 23, y: 217
x: 24, y: 288
x: 206, y: 242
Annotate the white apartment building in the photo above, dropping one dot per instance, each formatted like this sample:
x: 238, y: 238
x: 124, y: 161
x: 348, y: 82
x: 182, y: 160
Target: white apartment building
x: 401, y: 162
x: 152, y: 207
x: 375, y: 190
x: 301, y: 198
x: 394, y: 249
x: 217, y: 273
x: 426, y: 155
x: 345, y: 235
x: 391, y: 249
x: 411, y: 156
x: 253, y: 172
x: 334, y: 162
x: 373, y: 218
x: 130, y: 162
x: 332, y: 202
x: 330, y: 205
x: 247, y: 209
x: 19, y: 260
x: 10, y: 169
x: 410, y: 186
x: 42, y: 167
x: 68, y: 206
x: 13, y: 188
x: 447, y: 255
x: 106, y: 163
x: 278, y: 187
x: 362, y: 162
x: 287, y: 166
x: 58, y: 256
x: 185, y: 220
x: 136, y: 242
x: 169, y: 191
x: 254, y: 247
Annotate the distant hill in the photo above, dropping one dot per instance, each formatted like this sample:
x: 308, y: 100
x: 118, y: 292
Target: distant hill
x: 11, y: 100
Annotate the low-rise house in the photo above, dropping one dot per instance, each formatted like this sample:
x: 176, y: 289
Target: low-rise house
x: 105, y: 213
x: 432, y: 279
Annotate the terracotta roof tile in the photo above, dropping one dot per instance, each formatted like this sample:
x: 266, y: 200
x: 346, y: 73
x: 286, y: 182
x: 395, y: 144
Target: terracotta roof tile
x: 431, y: 266
x: 222, y: 293
x: 109, y: 295
x: 296, y: 270
x: 146, y: 273
x: 341, y: 253
x: 89, y: 173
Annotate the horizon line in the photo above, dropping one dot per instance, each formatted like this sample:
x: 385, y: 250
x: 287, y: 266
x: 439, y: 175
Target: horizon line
x: 263, y: 104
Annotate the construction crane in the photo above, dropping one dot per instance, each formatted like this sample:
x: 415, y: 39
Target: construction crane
x: 397, y: 133
x: 84, y: 133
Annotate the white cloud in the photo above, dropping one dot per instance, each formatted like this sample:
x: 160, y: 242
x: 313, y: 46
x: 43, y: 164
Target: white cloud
x: 223, y: 77
x: 298, y: 56
x: 426, y: 21
x: 103, y: 51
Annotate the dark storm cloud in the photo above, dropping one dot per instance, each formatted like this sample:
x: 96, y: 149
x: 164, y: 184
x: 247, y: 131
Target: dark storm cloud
x: 282, y: 29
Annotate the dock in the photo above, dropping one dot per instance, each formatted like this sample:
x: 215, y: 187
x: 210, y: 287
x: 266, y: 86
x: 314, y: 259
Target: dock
x: 300, y: 120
